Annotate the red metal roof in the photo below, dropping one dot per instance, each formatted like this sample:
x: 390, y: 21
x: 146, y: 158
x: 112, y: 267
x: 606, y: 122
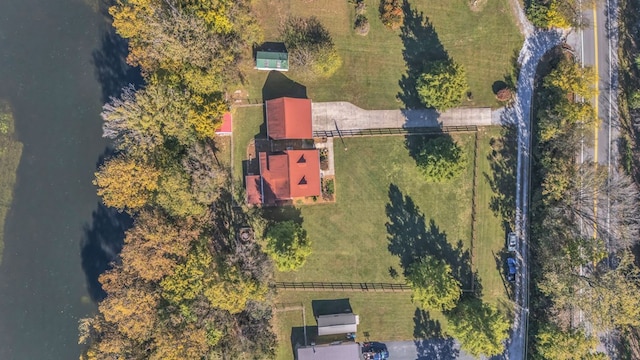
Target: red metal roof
x: 294, y: 174
x: 304, y: 173
x: 289, y: 118
x: 226, y: 126
x: 275, y: 176
x: 254, y: 193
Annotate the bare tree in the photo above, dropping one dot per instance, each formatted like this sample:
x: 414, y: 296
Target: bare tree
x: 605, y: 204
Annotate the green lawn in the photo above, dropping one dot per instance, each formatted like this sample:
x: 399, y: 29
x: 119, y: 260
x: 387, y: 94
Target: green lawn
x: 351, y: 241
x: 246, y: 125
x: 10, y: 152
x: 484, y: 42
x: 491, y: 232
x: 384, y: 316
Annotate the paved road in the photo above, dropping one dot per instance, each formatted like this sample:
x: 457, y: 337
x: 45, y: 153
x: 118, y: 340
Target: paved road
x: 596, y: 47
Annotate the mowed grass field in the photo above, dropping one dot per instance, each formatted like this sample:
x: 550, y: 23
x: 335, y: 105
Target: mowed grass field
x: 350, y: 238
x: 484, y: 42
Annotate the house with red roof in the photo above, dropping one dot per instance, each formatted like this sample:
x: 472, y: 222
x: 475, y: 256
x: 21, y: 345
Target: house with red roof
x: 292, y: 173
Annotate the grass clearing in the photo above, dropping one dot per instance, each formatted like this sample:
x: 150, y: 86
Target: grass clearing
x: 351, y: 242
x: 350, y: 239
x: 246, y: 125
x: 484, y: 42
x: 491, y: 231
x: 10, y: 153
x: 384, y: 316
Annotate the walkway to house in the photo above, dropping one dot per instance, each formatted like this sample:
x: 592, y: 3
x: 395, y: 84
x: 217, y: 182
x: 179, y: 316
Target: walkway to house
x: 346, y: 116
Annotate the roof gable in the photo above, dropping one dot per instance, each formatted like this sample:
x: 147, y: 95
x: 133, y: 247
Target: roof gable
x: 289, y: 118
x: 274, y: 170
x: 304, y: 172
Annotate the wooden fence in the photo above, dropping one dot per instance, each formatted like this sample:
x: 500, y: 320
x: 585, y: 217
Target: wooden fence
x: 395, y: 131
x: 340, y: 286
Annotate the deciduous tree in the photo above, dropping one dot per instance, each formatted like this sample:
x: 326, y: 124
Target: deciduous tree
x: 232, y: 291
x: 434, y: 287
x: 207, y: 176
x: 126, y: 183
x: 480, y: 328
x: 571, y: 78
x: 133, y: 310
x: 175, y: 195
x: 441, y: 159
x: 288, y: 245
x: 189, y: 278
x: 391, y: 13
x: 139, y: 121
x: 310, y: 46
x: 553, y: 343
x: 156, y: 244
x: 443, y: 85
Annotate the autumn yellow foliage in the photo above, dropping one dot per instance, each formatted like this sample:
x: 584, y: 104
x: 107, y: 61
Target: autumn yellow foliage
x: 124, y: 183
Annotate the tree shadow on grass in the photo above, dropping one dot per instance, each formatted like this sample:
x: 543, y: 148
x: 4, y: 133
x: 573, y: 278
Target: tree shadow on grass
x: 101, y: 245
x: 502, y: 179
x: 279, y: 85
x: 421, y: 46
x: 416, y: 144
x: 430, y: 342
x: 282, y: 213
x: 298, y: 339
x: 330, y: 307
x: 411, y: 239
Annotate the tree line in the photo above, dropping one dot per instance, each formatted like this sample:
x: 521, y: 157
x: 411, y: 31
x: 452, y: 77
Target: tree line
x: 582, y: 260
x: 183, y: 286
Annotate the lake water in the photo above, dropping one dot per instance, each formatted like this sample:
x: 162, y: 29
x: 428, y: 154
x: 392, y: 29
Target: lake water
x: 55, y: 75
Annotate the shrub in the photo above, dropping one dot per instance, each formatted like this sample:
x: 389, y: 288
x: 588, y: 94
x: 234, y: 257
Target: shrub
x: 328, y: 188
x: 361, y: 25
x: 504, y: 95
x: 391, y: 13
x: 634, y: 100
x: 311, y: 48
x: 537, y: 14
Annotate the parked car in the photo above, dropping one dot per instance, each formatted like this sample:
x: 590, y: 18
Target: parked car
x: 375, y: 351
x: 511, y: 263
x: 512, y: 242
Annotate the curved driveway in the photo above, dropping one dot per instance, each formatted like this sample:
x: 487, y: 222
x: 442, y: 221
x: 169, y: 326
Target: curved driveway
x: 535, y: 46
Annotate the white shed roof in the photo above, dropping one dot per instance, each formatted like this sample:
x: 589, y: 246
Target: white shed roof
x: 337, y: 324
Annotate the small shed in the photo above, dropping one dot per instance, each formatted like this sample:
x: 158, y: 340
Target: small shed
x: 272, y: 60
x: 226, y: 128
x: 338, y: 324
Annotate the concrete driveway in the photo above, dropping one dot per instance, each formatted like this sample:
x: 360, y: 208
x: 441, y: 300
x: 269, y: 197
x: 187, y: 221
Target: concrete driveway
x: 346, y: 116
x: 432, y: 349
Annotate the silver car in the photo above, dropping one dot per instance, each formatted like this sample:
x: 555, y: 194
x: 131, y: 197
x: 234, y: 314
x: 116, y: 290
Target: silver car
x: 512, y: 242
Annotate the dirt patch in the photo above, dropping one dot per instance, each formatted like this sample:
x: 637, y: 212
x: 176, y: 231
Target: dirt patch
x: 477, y: 5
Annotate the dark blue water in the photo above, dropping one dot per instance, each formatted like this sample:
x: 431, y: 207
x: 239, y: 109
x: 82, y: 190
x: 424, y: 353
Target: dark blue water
x: 55, y: 70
